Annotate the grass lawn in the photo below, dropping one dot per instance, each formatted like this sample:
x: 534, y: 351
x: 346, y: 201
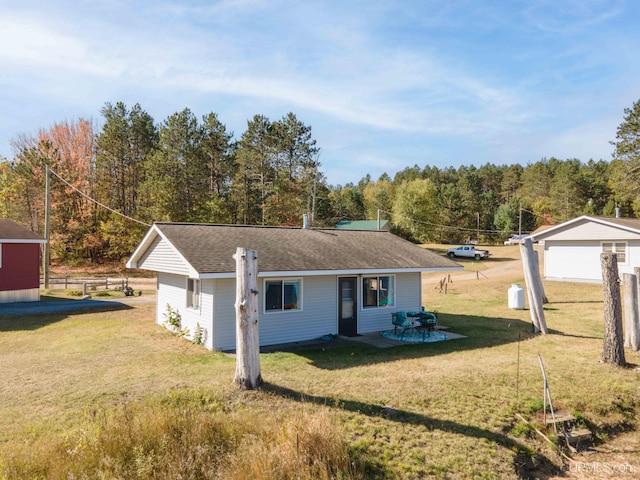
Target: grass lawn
x: 439, y: 410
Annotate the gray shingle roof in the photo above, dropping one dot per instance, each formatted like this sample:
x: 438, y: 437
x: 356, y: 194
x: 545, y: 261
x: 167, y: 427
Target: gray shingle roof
x: 209, y: 248
x: 632, y: 223
x: 10, y: 230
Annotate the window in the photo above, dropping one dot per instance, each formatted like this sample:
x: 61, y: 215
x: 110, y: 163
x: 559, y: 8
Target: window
x: 378, y: 291
x: 193, y: 293
x: 619, y: 248
x: 282, y: 295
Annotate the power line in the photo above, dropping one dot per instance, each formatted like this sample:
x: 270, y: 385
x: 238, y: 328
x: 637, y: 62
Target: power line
x: 466, y: 229
x: 97, y: 202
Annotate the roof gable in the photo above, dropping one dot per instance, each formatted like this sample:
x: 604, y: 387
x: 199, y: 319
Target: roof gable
x: 11, y: 232
x: 209, y: 249
x: 156, y: 253
x: 363, y: 225
x: 588, y: 227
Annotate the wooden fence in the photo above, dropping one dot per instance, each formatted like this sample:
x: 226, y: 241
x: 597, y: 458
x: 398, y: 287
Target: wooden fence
x: 89, y: 283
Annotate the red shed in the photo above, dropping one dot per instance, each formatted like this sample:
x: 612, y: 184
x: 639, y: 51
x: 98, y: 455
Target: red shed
x: 19, y: 263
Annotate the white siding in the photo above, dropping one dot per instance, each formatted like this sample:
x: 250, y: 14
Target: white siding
x: 592, y: 231
x: 633, y: 257
x: 579, y: 261
x: 224, y: 329
x: 208, y: 307
x: 172, y: 291
x: 161, y: 257
x: 572, y: 261
x: 408, y: 298
x: 26, y: 295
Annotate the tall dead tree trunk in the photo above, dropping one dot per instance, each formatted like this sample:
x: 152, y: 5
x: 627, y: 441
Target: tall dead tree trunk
x: 247, y: 341
x: 613, y: 349
x: 534, y: 286
x: 632, y: 317
x: 538, y: 277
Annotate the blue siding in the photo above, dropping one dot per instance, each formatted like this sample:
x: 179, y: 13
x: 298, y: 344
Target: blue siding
x: 408, y: 297
x: 318, y: 317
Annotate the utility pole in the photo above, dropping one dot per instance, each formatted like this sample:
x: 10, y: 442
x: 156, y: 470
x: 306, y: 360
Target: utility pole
x: 313, y: 196
x: 47, y: 215
x: 478, y: 230
x: 520, y: 222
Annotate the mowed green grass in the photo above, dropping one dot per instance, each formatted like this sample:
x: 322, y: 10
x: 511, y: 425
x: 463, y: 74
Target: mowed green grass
x: 441, y: 410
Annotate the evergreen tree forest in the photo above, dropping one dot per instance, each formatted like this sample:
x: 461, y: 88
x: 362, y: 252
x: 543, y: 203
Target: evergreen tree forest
x: 109, y: 184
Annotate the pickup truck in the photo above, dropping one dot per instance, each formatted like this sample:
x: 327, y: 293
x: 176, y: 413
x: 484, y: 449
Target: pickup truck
x: 468, y: 251
x: 515, y: 239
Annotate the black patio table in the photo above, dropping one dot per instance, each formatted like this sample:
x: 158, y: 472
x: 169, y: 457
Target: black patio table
x: 427, y: 320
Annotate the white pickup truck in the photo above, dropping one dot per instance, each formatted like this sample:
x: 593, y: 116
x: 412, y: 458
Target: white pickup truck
x: 468, y: 251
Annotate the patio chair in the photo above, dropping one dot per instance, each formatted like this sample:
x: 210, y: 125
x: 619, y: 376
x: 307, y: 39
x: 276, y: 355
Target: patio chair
x: 401, y: 321
x: 428, y: 321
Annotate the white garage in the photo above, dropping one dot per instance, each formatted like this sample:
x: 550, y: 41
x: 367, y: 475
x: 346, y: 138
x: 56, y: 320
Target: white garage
x: 572, y: 249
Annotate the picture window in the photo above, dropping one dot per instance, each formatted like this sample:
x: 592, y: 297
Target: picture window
x: 378, y: 291
x: 282, y: 295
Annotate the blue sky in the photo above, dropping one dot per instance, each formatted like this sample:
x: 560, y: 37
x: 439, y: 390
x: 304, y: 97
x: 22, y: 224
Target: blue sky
x: 384, y: 85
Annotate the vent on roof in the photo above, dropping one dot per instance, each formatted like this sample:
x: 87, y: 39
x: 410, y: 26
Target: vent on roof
x: 305, y: 221
x: 617, y: 212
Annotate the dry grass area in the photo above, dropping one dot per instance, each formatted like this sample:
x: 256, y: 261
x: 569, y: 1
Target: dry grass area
x: 440, y: 410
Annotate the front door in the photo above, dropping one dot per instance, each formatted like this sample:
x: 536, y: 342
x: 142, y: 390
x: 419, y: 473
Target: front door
x: 347, y: 306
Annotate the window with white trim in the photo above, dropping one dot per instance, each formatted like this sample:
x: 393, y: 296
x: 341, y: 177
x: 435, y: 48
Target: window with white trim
x: 282, y: 295
x: 619, y: 248
x: 193, y: 293
x: 378, y: 291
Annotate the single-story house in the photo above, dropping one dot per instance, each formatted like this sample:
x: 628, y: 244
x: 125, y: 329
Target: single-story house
x: 311, y: 281
x: 364, y: 225
x: 572, y: 249
x: 19, y: 263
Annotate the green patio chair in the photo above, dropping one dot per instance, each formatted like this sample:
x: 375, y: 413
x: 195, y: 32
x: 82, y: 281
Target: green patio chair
x: 401, y: 321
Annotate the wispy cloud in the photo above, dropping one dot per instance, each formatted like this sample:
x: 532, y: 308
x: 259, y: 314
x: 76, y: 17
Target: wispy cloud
x: 384, y: 82
x: 571, y: 16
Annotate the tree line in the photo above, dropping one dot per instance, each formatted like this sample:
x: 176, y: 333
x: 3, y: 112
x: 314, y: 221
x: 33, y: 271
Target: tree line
x: 190, y: 169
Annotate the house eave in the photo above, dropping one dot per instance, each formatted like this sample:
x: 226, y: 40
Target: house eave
x: 345, y: 272
x: 550, y: 232
x: 21, y: 240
